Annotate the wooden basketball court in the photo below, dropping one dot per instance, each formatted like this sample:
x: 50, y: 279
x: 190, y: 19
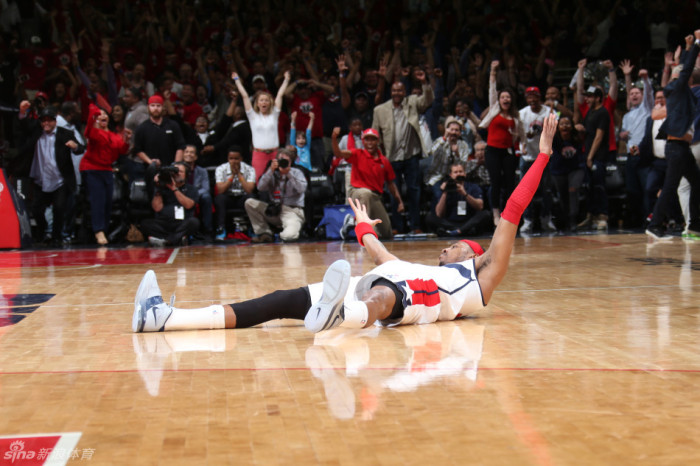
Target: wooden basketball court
x: 589, y: 353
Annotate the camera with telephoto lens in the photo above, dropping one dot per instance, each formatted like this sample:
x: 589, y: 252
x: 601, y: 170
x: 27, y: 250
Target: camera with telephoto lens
x: 283, y: 163
x: 451, y: 185
x: 167, y: 175
x: 273, y: 209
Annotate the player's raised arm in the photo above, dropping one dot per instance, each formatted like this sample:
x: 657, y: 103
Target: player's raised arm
x: 366, y: 235
x: 492, y: 265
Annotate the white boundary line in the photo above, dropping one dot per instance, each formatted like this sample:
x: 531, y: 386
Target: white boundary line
x: 67, y: 442
x: 172, y: 257
x: 543, y: 290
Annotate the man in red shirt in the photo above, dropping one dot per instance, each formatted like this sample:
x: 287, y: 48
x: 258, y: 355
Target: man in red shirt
x: 191, y: 110
x: 370, y: 169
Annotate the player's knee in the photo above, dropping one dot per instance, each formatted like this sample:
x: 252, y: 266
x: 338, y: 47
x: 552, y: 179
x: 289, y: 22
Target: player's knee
x: 381, y: 300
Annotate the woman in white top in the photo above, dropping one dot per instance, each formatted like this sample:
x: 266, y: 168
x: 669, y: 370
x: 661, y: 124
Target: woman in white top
x: 263, y: 117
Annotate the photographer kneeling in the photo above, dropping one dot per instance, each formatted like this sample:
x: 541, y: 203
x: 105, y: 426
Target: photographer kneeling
x: 173, y: 202
x: 459, y: 210
x: 286, y: 186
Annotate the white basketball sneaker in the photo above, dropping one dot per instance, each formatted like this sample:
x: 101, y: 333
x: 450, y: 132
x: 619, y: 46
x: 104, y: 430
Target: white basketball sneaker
x: 328, y: 312
x: 150, y: 312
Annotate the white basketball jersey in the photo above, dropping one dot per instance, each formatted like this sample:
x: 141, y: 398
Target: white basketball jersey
x: 430, y: 293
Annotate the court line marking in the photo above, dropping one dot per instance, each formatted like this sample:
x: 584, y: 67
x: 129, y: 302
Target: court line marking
x: 173, y: 255
x: 594, y: 288
x: 61, y: 267
x: 67, y: 442
x: 398, y: 368
x: 220, y: 300
x: 591, y: 240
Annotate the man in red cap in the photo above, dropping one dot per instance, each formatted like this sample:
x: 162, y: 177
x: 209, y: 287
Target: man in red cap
x: 370, y: 169
x: 395, y: 292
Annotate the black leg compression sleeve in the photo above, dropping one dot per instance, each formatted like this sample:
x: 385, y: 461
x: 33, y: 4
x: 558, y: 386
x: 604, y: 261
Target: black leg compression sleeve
x: 284, y: 304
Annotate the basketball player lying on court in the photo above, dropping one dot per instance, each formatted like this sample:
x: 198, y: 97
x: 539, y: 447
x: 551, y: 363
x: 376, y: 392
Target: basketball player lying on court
x: 395, y: 292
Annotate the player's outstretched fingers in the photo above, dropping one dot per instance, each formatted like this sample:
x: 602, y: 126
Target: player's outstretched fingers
x: 549, y: 129
x: 357, y: 206
x: 361, y: 214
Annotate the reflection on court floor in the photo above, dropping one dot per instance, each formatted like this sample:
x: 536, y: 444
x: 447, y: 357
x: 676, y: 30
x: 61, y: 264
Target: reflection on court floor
x: 398, y: 359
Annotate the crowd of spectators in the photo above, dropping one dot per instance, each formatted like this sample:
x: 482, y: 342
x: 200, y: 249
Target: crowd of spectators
x: 216, y: 116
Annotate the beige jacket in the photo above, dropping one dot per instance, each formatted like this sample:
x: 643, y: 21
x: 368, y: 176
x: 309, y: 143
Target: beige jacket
x: 413, y: 106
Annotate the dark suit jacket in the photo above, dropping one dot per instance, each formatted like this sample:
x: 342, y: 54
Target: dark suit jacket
x: 646, y: 149
x: 30, y: 132
x: 238, y: 135
x: 222, y: 138
x: 680, y: 100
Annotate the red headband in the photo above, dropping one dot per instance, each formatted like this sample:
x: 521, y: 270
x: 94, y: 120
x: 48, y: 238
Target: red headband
x: 476, y: 247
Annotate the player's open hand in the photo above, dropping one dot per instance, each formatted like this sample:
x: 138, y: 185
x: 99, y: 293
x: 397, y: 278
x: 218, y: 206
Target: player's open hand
x: 549, y: 129
x: 361, y: 214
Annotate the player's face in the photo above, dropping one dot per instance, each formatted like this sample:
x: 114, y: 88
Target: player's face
x: 456, y: 252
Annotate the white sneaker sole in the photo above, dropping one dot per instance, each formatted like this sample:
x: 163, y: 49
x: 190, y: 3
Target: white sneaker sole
x: 664, y: 238
x: 327, y: 313
x: 139, y: 318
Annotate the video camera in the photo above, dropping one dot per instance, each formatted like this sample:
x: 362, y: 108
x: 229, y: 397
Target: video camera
x: 166, y: 176
x: 451, y: 185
